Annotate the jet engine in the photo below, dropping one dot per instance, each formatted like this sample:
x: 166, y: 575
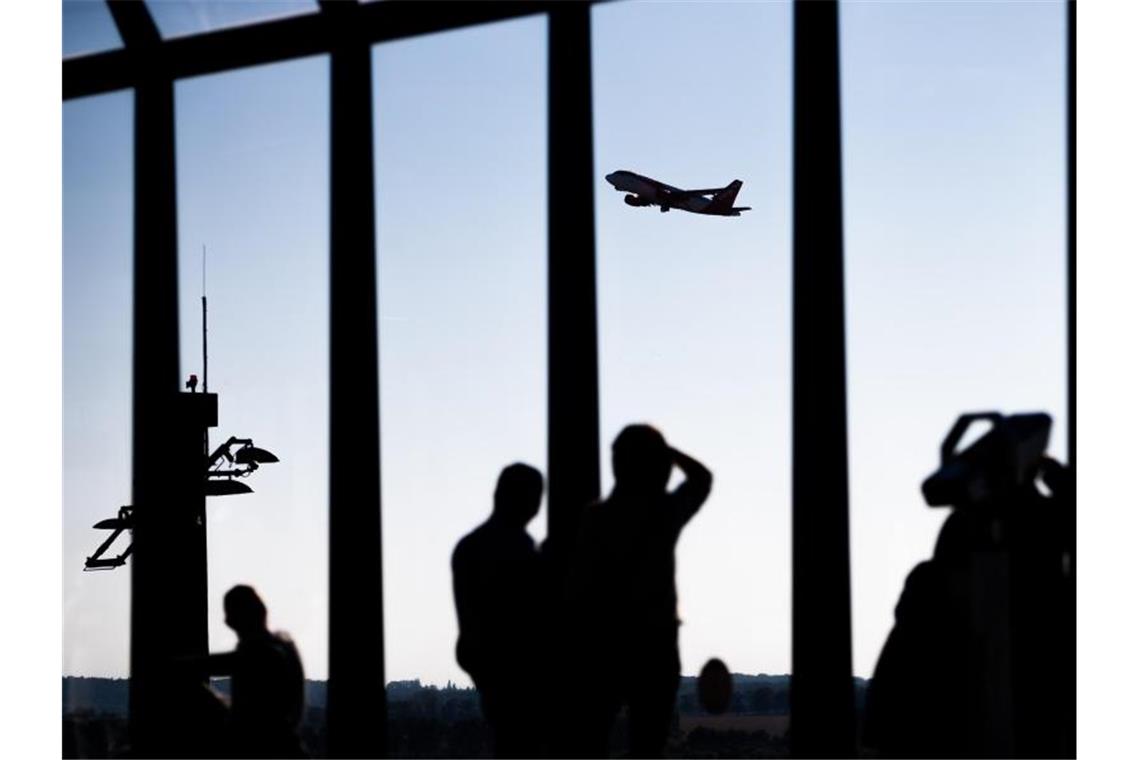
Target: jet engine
x: 635, y: 200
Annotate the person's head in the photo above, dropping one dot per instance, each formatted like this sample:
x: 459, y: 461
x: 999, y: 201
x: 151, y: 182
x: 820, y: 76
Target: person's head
x: 518, y: 493
x: 245, y: 612
x: 642, y: 461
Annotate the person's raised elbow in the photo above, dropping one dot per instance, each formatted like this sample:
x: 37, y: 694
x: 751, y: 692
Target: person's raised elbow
x: 702, y: 481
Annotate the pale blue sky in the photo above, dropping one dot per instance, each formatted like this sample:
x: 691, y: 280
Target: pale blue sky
x: 954, y: 192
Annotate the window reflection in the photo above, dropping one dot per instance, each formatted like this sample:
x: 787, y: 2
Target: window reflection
x: 88, y: 28
x: 178, y: 18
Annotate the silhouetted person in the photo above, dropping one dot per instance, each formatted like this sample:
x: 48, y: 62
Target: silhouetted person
x: 267, y: 687
x: 623, y: 594
x: 970, y: 667
x: 497, y: 584
x: 926, y: 683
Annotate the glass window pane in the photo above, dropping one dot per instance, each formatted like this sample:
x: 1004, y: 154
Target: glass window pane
x: 954, y: 169
x: 694, y: 310
x: 178, y: 18
x: 88, y: 28
x: 253, y: 190
x: 97, y: 321
x: 461, y: 231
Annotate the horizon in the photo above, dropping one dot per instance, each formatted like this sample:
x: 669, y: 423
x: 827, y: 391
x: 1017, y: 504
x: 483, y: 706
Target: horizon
x: 453, y: 683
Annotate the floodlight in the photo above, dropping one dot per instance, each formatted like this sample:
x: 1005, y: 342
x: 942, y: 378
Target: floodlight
x: 116, y: 525
x: 226, y: 487
x: 254, y: 455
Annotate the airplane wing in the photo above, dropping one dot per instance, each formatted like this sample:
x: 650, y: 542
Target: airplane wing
x: 681, y: 194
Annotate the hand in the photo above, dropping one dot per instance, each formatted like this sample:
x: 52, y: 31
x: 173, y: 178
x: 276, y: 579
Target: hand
x: 1058, y: 478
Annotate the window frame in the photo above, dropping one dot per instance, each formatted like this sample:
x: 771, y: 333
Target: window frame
x: 822, y: 690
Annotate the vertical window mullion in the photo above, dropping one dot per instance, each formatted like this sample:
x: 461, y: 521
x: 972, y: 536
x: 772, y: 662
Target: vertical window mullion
x: 154, y: 482
x: 1068, y: 685
x: 158, y: 487
x: 572, y: 418
x: 357, y: 707
x: 822, y: 693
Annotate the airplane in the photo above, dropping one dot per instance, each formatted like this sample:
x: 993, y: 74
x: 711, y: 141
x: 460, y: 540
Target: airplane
x: 643, y: 191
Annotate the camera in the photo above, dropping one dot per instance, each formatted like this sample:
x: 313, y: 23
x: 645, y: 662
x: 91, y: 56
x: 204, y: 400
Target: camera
x: 999, y: 464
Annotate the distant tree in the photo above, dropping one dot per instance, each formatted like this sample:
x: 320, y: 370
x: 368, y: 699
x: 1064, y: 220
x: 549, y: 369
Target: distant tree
x: 780, y: 701
x: 761, y: 700
x: 427, y: 702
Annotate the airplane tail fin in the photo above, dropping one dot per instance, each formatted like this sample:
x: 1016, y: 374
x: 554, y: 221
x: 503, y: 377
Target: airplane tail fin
x: 722, y: 201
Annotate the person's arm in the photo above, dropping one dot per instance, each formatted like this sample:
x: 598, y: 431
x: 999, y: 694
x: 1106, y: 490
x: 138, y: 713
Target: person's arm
x: 221, y: 664
x: 469, y: 646
x: 691, y: 494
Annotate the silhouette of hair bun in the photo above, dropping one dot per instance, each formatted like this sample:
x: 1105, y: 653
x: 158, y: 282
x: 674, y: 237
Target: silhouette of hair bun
x: 714, y: 686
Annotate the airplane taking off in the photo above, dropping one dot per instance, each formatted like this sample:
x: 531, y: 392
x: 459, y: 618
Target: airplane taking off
x: 643, y: 191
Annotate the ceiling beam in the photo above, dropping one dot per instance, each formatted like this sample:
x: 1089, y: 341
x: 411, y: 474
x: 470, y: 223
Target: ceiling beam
x: 135, y: 24
x: 269, y: 41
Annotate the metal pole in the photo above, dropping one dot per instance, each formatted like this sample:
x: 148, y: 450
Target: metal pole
x: 822, y: 693
x: 1069, y: 685
x: 205, y: 355
x: 357, y: 707
x: 572, y: 349
x: 155, y: 483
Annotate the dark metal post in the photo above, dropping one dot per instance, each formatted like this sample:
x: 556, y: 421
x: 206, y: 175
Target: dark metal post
x: 1071, y: 202
x: 572, y: 400
x: 163, y: 489
x: 1069, y: 685
x: 357, y: 708
x: 823, y: 713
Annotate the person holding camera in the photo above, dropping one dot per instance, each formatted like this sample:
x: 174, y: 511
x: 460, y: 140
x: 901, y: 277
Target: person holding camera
x: 980, y: 661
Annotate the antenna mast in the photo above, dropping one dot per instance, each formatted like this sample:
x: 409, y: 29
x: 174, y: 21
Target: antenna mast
x: 205, y: 365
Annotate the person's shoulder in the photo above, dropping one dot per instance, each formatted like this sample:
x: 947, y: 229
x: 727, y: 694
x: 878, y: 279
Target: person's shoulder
x: 258, y: 648
x: 281, y: 641
x: 526, y: 542
x: 283, y: 638
x: 502, y: 538
x: 468, y: 544
x: 927, y: 594
x: 285, y: 641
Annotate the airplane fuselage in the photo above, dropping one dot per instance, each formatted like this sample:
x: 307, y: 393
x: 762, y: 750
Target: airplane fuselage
x: 644, y: 191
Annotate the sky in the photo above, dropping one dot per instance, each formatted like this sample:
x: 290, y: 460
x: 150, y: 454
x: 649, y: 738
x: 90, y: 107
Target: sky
x: 954, y: 191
